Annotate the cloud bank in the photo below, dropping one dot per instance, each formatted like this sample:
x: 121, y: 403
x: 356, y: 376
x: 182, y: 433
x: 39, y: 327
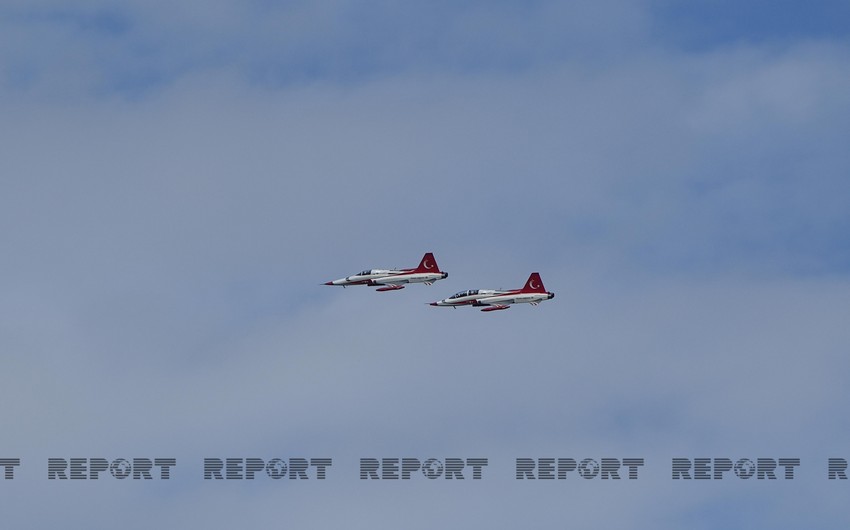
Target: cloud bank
x: 177, y: 182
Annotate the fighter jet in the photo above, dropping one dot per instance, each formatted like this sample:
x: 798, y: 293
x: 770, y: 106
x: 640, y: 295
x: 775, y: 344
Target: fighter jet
x: 393, y: 279
x: 494, y: 300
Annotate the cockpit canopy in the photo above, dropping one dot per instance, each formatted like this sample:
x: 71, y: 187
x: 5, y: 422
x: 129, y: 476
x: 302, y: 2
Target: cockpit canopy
x: 367, y: 272
x: 461, y: 294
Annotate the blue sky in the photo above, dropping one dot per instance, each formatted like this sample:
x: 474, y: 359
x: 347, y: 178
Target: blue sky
x: 706, y: 24
x: 176, y: 182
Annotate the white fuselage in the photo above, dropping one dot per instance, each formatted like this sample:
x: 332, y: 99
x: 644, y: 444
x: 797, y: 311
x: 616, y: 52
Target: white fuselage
x: 515, y: 298
x: 410, y: 277
x: 365, y: 277
x: 426, y: 272
x: 491, y: 298
x: 388, y: 277
x: 467, y: 297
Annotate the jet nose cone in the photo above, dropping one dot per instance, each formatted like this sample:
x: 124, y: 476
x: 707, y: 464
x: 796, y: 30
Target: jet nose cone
x: 435, y: 304
x: 329, y: 283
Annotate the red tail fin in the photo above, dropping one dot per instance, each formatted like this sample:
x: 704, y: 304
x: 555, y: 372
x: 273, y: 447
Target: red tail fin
x: 534, y: 284
x: 428, y: 264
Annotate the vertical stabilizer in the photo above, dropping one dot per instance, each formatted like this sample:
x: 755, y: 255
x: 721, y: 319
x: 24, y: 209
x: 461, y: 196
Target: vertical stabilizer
x: 534, y: 284
x: 428, y: 264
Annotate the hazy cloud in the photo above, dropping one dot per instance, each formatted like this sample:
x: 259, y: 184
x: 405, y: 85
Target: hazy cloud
x: 178, y: 180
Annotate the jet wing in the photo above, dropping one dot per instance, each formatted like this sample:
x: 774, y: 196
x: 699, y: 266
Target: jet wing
x: 390, y: 280
x: 495, y: 301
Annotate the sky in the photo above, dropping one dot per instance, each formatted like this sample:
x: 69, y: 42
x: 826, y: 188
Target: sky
x: 177, y: 181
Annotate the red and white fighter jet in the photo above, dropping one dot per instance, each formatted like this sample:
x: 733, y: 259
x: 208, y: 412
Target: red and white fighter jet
x: 393, y: 279
x: 493, y: 299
